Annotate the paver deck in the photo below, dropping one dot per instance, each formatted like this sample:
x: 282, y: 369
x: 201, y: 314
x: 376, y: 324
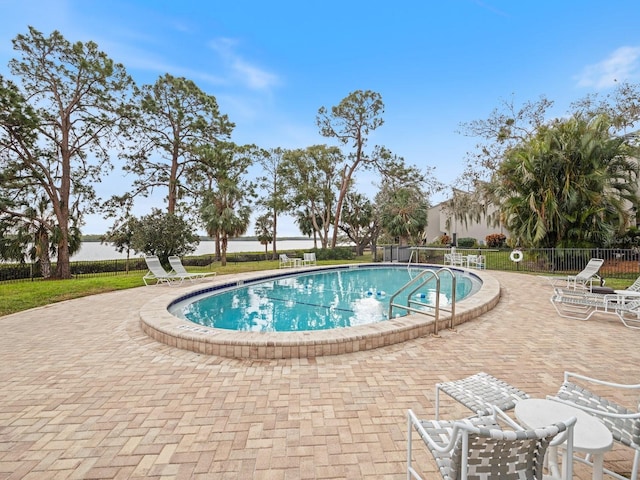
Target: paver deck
x: 85, y: 394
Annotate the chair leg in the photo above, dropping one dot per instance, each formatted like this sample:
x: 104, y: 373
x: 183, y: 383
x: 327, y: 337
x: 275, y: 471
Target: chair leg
x: 411, y: 473
x: 409, y: 446
x: 634, y: 471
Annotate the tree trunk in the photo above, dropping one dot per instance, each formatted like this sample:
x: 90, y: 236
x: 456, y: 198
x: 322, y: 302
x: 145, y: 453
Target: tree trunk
x: 275, y: 234
x: 61, y: 206
x: 63, y: 269
x: 173, y: 180
x: 42, y: 252
x: 223, y: 248
x: 346, y: 178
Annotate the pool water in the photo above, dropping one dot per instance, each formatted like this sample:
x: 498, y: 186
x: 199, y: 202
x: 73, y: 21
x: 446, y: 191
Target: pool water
x: 316, y: 300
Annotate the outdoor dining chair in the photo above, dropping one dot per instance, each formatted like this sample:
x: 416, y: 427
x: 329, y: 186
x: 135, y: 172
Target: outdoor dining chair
x: 479, y: 448
x: 624, y: 423
x: 480, y: 392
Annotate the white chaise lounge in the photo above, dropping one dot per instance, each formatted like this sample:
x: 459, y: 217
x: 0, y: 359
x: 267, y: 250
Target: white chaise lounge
x: 179, y: 269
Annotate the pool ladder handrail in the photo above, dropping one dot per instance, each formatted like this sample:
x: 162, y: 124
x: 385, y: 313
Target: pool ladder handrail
x: 425, y: 277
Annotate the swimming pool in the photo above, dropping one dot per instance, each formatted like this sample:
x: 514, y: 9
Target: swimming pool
x: 162, y: 326
x: 337, y: 298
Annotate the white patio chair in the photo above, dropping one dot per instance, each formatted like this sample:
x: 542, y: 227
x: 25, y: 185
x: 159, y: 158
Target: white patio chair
x: 624, y: 423
x: 309, y: 258
x: 479, y: 448
x: 158, y: 273
x: 288, y: 262
x: 582, y: 304
x: 471, y: 260
x: 454, y: 259
x: 179, y: 269
x: 480, y: 392
x: 477, y: 261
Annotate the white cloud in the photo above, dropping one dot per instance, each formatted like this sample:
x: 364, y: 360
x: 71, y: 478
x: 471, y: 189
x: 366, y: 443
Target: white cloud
x: 254, y: 77
x: 249, y: 75
x: 622, y: 65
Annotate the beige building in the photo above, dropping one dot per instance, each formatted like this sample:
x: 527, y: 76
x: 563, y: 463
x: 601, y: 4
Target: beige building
x: 439, y: 217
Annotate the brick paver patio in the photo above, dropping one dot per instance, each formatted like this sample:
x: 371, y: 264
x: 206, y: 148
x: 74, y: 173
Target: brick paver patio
x: 84, y: 394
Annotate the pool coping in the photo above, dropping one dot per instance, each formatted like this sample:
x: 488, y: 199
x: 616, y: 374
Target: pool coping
x: 159, y: 324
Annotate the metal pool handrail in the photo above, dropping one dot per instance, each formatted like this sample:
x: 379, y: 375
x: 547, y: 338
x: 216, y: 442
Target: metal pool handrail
x: 422, y: 279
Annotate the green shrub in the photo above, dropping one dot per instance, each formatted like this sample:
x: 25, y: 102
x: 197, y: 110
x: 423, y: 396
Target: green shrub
x: 106, y: 266
x: 338, y: 253
x: 467, y: 242
x: 18, y: 271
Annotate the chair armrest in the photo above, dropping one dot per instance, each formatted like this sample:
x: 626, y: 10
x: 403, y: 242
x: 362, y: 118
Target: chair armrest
x: 568, y: 375
x: 499, y: 414
x: 415, y: 422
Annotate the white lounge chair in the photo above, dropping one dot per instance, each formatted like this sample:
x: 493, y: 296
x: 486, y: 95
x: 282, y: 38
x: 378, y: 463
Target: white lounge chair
x: 159, y: 274
x: 478, y: 447
x: 624, y: 423
x: 179, y: 269
x: 309, y: 258
x: 634, y: 287
x: 582, y: 304
x: 587, y: 275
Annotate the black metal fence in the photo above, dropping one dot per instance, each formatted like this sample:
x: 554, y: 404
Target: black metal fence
x: 619, y: 263
x: 100, y: 268
x: 33, y: 271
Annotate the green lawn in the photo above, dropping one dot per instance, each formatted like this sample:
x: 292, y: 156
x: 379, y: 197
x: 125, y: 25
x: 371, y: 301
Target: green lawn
x: 19, y: 296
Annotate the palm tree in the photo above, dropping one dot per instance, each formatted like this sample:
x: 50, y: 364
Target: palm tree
x: 306, y: 224
x: 404, y: 213
x: 571, y: 185
x: 32, y: 231
x: 264, y: 231
x: 225, y: 193
x: 226, y: 214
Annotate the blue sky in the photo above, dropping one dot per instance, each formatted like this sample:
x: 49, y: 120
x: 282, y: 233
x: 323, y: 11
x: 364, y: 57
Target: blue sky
x: 272, y: 65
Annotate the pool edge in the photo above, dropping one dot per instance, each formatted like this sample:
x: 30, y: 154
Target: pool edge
x: 160, y: 325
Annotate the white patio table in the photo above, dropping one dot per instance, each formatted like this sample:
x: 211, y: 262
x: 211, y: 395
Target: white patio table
x: 590, y: 436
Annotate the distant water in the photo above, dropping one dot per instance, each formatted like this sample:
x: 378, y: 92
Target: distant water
x: 98, y: 251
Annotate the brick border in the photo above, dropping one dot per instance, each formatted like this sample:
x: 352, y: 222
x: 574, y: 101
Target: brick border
x: 160, y: 325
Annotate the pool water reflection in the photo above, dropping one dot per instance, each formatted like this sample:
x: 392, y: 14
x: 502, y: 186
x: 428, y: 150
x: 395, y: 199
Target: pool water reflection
x: 310, y: 301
